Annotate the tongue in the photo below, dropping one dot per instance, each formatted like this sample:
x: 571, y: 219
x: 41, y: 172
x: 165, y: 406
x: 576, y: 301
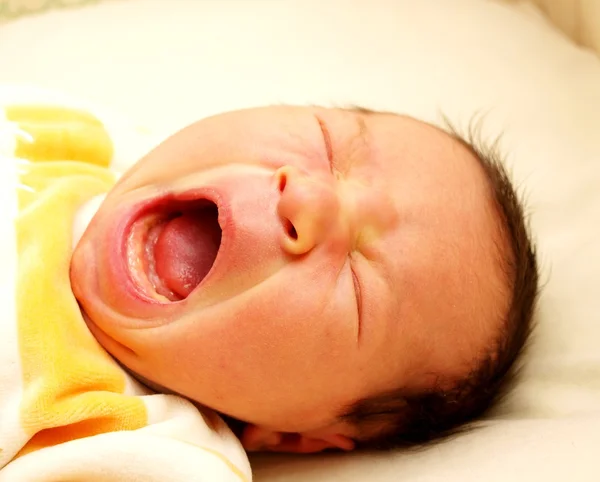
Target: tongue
x: 186, y: 250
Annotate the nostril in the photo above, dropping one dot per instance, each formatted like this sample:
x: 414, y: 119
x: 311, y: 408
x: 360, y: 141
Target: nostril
x: 282, y: 182
x: 291, y: 230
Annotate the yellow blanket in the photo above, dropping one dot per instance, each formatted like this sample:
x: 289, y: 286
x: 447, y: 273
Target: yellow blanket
x: 67, y: 410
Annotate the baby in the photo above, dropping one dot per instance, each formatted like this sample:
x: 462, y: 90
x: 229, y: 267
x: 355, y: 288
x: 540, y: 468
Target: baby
x: 325, y: 278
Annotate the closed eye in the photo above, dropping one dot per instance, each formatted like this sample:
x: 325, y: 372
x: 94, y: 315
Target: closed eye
x: 326, y: 140
x: 358, y: 297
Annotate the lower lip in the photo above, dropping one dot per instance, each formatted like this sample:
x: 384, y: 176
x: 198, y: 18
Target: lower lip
x: 127, y: 268
x: 140, y: 257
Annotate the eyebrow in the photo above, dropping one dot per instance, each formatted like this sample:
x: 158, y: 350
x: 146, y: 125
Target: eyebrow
x: 362, y: 135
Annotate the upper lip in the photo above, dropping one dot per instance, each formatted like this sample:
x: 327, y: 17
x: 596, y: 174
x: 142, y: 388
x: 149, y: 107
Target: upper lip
x: 150, y: 205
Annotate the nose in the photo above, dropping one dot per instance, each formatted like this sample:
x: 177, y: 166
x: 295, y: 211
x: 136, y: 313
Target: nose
x: 308, y: 208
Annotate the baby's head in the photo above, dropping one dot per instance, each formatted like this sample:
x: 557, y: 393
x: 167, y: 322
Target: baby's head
x: 331, y: 278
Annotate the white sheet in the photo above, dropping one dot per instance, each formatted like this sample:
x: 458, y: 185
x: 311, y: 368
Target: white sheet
x: 168, y: 63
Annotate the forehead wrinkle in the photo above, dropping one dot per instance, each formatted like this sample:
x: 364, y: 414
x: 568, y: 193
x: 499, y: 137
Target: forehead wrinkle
x: 358, y: 150
x: 361, y: 138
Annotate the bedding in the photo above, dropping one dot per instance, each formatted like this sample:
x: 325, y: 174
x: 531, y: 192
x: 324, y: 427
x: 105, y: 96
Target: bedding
x: 67, y: 410
x: 535, y: 83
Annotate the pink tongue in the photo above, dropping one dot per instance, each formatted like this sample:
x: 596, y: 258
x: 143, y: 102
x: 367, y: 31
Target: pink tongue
x: 186, y: 249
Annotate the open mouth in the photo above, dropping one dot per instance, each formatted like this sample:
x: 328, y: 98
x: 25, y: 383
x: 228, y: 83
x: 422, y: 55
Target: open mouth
x: 172, y: 248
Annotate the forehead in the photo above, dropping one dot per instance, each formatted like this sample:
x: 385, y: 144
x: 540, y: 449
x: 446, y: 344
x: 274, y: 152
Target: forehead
x: 443, y: 285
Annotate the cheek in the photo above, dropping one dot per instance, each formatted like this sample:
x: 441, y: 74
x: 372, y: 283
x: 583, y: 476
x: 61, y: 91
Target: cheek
x: 280, y: 331
x: 267, y: 344
x: 294, y: 321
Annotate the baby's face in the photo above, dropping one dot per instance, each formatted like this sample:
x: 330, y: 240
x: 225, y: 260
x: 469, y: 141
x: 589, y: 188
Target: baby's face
x: 356, y: 254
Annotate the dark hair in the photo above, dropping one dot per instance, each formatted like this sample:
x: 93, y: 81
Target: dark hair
x: 401, y: 419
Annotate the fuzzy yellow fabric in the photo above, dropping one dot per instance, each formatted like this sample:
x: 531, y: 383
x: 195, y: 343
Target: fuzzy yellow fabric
x: 68, y: 411
x: 53, y: 133
x: 71, y: 387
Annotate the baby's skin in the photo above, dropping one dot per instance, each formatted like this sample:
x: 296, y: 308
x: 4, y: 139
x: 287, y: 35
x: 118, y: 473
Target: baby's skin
x: 279, y: 264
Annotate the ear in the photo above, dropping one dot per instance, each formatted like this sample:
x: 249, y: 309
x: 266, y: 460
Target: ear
x: 256, y: 439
